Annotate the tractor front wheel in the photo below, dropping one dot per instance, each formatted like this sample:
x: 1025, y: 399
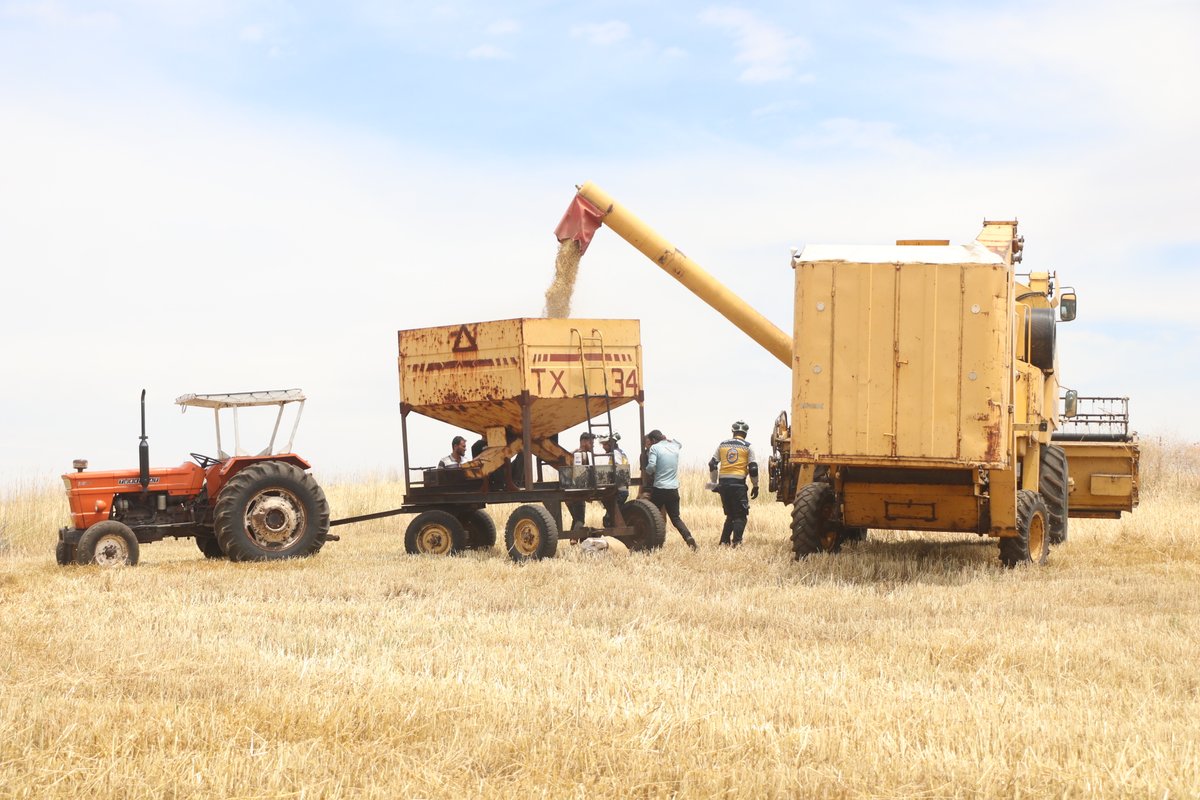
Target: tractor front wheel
x: 271, y: 510
x: 813, y: 530
x: 107, y: 544
x: 64, y: 553
x: 435, y: 533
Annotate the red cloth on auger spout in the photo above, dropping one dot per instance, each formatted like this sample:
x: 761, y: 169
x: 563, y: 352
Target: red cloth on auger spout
x: 580, y: 222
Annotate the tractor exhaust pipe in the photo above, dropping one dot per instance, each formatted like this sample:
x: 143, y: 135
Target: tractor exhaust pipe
x: 144, y: 451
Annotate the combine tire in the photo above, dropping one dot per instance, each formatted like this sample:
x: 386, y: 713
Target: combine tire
x: 1054, y: 486
x: 481, y: 530
x: 210, y: 546
x: 645, y: 518
x: 812, y: 528
x: 107, y: 544
x: 435, y: 533
x: 854, y: 534
x: 271, y: 510
x: 531, y: 534
x: 1032, y: 542
x: 64, y: 554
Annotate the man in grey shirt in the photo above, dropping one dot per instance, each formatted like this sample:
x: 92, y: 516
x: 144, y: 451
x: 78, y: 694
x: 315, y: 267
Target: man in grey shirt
x: 663, y: 466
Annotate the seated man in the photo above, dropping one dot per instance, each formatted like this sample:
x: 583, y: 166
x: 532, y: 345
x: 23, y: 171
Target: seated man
x: 458, y: 453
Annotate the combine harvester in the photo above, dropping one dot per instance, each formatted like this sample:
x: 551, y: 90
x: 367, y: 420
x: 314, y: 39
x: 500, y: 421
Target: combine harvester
x: 925, y: 390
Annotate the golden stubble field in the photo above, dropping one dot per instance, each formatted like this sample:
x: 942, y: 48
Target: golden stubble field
x: 904, y: 667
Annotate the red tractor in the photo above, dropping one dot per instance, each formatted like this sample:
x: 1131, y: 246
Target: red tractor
x: 244, y: 507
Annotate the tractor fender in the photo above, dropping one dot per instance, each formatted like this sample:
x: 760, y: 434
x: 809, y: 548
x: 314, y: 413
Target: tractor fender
x: 219, y: 474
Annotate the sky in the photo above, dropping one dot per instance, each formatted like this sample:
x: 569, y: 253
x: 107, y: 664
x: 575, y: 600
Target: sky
x: 208, y: 196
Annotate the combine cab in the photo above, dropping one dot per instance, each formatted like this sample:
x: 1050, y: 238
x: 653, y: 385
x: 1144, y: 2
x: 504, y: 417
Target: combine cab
x: 247, y: 507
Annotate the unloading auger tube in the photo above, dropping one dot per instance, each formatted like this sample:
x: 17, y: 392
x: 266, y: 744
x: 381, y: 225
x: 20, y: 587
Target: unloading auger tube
x: 681, y: 268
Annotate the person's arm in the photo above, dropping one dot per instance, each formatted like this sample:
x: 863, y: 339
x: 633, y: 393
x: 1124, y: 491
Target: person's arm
x: 652, y: 460
x: 714, y: 463
x: 753, y: 470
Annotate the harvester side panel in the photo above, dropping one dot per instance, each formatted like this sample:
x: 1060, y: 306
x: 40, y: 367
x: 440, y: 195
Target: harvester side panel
x: 902, y: 361
x: 1104, y: 478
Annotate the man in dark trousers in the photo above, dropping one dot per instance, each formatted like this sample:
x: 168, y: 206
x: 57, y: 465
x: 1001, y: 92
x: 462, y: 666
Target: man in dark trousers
x: 732, y: 462
x: 662, y: 466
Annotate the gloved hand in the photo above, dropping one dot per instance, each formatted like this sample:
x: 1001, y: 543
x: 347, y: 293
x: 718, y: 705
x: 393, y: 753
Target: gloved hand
x: 754, y: 493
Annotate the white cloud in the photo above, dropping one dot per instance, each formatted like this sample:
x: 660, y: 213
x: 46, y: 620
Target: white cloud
x: 602, y: 33
x: 52, y: 13
x: 767, y: 53
x: 503, y: 27
x: 251, y: 33
x: 488, y: 52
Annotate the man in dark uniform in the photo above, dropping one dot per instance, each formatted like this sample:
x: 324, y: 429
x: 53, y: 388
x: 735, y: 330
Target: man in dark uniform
x: 732, y: 462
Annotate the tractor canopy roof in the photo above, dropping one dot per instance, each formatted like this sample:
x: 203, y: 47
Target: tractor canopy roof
x: 270, y: 397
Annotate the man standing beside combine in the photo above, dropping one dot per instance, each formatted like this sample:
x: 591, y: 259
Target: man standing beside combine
x: 663, y: 465
x: 733, y: 460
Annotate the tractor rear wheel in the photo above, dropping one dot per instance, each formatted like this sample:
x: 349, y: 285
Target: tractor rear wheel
x: 645, y: 518
x: 271, y: 510
x: 531, y: 534
x: 107, y: 544
x: 481, y: 529
x: 813, y: 530
x: 1032, y: 542
x: 64, y: 553
x: 435, y: 533
x: 1054, y: 485
x: 209, y: 545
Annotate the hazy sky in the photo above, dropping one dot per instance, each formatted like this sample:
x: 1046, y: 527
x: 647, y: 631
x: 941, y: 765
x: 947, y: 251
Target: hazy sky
x: 204, y: 196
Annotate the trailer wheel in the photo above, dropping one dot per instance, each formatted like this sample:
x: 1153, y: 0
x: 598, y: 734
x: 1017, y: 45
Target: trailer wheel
x: 1054, y: 485
x: 481, y: 529
x: 531, y: 534
x: 1031, y: 544
x: 645, y: 518
x: 64, y: 553
x: 435, y: 533
x: 210, y: 546
x: 271, y: 510
x: 107, y: 544
x: 812, y: 528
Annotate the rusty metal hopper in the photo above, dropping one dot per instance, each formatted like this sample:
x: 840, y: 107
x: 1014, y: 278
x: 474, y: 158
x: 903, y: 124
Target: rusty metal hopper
x: 517, y: 378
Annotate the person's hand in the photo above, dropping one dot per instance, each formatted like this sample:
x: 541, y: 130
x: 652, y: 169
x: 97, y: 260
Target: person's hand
x: 754, y: 493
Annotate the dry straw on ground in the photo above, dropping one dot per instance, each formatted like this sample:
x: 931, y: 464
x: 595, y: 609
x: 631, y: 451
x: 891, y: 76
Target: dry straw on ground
x: 907, y: 666
x: 566, y: 268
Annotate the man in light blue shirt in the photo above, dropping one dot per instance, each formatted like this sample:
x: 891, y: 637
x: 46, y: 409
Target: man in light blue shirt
x: 663, y: 466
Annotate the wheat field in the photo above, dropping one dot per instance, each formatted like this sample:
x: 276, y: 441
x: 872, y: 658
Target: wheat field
x: 906, y: 666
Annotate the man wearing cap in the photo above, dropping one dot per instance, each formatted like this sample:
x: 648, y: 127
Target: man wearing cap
x: 733, y: 460
x: 582, y: 456
x: 663, y: 465
x: 613, y: 454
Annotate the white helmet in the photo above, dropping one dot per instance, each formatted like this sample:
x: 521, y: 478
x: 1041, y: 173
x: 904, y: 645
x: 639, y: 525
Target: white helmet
x: 741, y: 427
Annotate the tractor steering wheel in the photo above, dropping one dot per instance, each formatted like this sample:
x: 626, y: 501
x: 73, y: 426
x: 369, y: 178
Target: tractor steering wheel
x: 204, y: 461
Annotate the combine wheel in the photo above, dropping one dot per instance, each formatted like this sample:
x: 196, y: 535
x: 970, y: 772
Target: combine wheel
x: 1032, y: 542
x: 531, y: 534
x: 107, y: 544
x: 645, y: 518
x: 481, y: 530
x: 1054, y: 486
x: 812, y: 528
x: 210, y: 546
x: 854, y: 534
x: 271, y: 510
x: 435, y: 533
